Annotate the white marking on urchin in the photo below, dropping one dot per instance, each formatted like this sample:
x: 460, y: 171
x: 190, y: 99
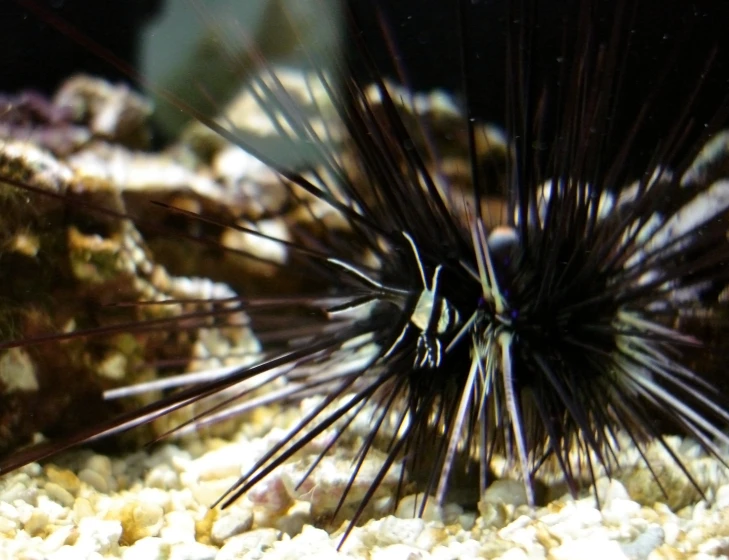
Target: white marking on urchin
x: 670, y: 233
x: 546, y: 191
x: 504, y: 340
x: 641, y: 360
x: 700, y: 210
x: 456, y: 428
x: 493, y: 355
x: 487, y: 275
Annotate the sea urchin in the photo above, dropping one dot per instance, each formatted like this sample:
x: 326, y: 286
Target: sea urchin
x: 535, y: 316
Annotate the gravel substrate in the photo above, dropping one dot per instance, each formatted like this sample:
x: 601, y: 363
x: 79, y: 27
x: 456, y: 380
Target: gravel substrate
x: 155, y: 505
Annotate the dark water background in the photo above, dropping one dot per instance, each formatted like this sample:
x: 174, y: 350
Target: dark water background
x: 428, y: 43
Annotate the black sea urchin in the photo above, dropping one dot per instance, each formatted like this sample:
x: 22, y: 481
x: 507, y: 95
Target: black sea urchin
x: 535, y: 315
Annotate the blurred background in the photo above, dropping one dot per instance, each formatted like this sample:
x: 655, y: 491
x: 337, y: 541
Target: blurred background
x: 182, y: 44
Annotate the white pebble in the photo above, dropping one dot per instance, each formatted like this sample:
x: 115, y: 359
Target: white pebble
x: 94, y: 479
x: 609, y: 489
x: 524, y: 536
x: 573, y: 519
x: 98, y: 535
x: 461, y: 550
x: 253, y: 543
x: 399, y: 552
x: 619, y: 511
x: 57, y: 539
x: 294, y: 521
x: 162, y: 476
x: 8, y: 526
x: 179, y: 528
x: 505, y: 491
x: 155, y: 496
x: 147, y: 518
x: 99, y: 464
x: 8, y: 511
x: 409, y: 508
x: 82, y: 508
x: 32, y: 469
x: 19, y: 491
x: 192, y: 551
x: 53, y: 509
x: 59, y: 494
x: 272, y: 493
x: 399, y: 531
x: 221, y: 463
x: 645, y: 543
x: 148, y: 548
x: 513, y: 554
x: 231, y: 523
x: 466, y: 520
x: 715, y: 546
x: 519, y: 523
x: 671, y: 532
x: 209, y: 491
x: 25, y: 510
x: 310, y: 543
x: 429, y: 538
x: 721, y: 501
x: 36, y: 523
x: 183, y: 500
x: 73, y: 553
x: 592, y: 548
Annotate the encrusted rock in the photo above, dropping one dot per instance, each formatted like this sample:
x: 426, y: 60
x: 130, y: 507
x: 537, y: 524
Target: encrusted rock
x: 68, y: 258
